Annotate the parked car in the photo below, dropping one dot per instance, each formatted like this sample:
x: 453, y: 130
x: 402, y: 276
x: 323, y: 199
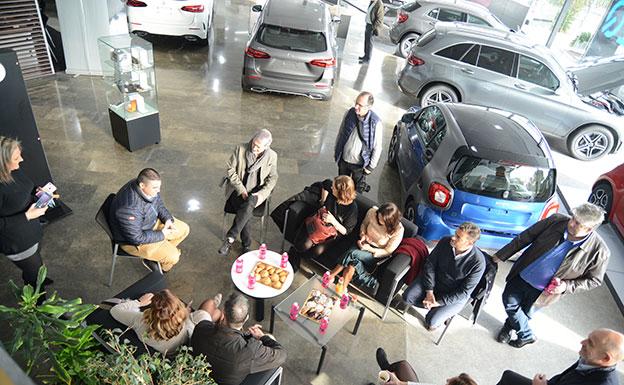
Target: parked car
x: 191, y: 19
x: 608, y: 193
x: 414, y: 19
x: 292, y: 49
x: 460, y: 162
x: 459, y: 62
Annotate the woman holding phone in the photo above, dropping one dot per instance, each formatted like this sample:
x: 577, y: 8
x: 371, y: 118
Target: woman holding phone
x: 20, y: 230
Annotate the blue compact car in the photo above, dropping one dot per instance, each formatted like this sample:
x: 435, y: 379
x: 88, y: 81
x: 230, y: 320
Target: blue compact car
x: 460, y: 162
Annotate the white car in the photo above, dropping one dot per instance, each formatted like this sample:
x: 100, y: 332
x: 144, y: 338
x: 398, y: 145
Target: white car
x: 191, y: 19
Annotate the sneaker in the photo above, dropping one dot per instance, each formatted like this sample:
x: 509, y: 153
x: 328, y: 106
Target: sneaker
x: 504, y: 335
x: 225, y: 247
x: 518, y: 343
x: 382, y: 359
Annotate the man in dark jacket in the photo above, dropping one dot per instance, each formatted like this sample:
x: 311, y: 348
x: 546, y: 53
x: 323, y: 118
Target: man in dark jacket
x: 358, y: 144
x: 562, y: 255
x: 374, y: 22
x: 232, y: 353
x: 142, y: 224
x: 600, y: 352
x: 451, y: 272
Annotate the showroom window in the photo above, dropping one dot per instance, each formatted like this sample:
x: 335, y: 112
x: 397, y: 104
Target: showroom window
x: 292, y: 39
x: 455, y: 52
x: 477, y: 20
x: 446, y: 14
x: 496, y: 59
x: 532, y: 71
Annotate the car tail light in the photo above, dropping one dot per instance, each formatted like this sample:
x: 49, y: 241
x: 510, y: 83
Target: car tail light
x: 324, y: 62
x: 402, y: 17
x: 193, y: 8
x: 552, y: 207
x: 256, y: 54
x: 135, y: 3
x: 439, y: 195
x: 415, y: 61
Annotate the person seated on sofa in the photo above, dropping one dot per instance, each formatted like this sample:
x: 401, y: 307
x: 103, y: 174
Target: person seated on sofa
x: 338, y: 198
x: 166, y: 323
x: 381, y: 232
x: 450, y: 274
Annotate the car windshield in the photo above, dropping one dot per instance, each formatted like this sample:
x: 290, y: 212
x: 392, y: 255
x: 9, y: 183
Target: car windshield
x: 292, y: 39
x: 503, y: 180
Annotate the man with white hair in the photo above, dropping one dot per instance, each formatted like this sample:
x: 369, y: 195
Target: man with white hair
x: 600, y: 352
x: 562, y: 255
x: 251, y: 175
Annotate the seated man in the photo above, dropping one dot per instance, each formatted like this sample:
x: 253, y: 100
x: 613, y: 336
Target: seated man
x: 141, y: 223
x: 232, y: 353
x: 251, y: 176
x: 600, y: 352
x: 451, y: 272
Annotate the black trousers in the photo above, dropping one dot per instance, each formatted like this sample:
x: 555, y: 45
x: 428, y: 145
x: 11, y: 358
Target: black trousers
x: 404, y: 371
x: 30, y: 268
x: 368, y: 41
x: 244, y: 212
x: 512, y: 378
x: 356, y: 172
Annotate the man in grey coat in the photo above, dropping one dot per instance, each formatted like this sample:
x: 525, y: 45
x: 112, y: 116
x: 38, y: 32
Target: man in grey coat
x: 374, y: 22
x: 562, y: 255
x: 251, y: 175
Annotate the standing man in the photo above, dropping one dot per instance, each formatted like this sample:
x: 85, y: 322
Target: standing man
x: 251, y: 175
x: 374, y: 22
x: 600, y: 352
x: 358, y: 145
x: 232, y: 352
x: 451, y: 273
x: 141, y: 223
x: 562, y: 255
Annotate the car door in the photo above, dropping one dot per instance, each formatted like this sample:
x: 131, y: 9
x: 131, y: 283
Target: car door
x: 440, y: 14
x: 536, y: 85
x: 487, y: 82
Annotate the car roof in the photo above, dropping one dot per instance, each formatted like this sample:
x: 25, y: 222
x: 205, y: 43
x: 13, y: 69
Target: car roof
x: 500, y: 135
x: 308, y: 15
x: 463, y: 4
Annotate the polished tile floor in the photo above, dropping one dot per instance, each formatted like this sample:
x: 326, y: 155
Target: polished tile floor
x: 203, y: 115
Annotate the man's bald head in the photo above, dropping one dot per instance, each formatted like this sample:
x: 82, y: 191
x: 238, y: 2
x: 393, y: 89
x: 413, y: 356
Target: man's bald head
x: 603, y: 347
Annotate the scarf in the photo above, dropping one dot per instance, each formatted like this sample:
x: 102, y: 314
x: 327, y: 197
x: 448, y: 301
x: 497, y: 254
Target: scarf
x: 253, y: 165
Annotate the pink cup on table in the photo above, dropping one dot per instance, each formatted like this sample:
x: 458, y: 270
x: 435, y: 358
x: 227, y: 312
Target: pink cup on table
x: 251, y: 281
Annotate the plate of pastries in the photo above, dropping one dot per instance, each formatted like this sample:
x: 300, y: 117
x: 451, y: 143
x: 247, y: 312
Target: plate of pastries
x: 269, y: 275
x: 318, y: 305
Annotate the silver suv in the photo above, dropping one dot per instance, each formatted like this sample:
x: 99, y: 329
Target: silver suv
x: 416, y: 18
x: 459, y: 62
x: 292, y: 49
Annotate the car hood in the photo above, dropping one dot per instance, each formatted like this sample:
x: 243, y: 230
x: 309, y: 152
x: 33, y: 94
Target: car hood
x: 599, y: 74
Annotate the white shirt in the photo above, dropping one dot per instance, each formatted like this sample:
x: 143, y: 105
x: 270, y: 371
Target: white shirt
x: 352, y: 152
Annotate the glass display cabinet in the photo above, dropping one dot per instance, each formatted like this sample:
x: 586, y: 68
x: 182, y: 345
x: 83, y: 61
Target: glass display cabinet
x: 128, y: 68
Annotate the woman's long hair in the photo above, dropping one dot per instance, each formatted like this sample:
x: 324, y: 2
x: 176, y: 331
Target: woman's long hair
x: 165, y: 317
x: 7, y: 147
x: 345, y: 189
x: 391, y: 216
x: 462, y: 379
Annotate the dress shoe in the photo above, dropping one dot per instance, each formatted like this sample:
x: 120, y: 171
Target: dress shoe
x: 225, y: 247
x: 518, y: 343
x: 246, y: 249
x: 382, y: 359
x: 363, y: 60
x: 504, y: 335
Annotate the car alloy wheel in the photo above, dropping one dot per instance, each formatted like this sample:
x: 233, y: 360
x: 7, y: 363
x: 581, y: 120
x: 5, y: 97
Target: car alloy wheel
x: 438, y: 94
x: 602, y: 195
x: 392, y: 148
x: 405, y: 45
x: 591, y: 143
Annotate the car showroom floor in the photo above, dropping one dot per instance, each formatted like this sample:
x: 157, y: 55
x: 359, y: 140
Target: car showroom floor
x: 203, y: 114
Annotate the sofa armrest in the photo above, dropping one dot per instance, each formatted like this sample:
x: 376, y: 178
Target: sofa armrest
x: 297, y: 212
x: 267, y: 377
x: 391, y: 276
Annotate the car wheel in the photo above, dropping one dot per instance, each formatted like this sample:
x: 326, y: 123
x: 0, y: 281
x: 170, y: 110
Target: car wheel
x: 602, y: 195
x: 590, y: 143
x: 393, y: 148
x: 438, y: 93
x: 410, y: 211
x: 405, y: 45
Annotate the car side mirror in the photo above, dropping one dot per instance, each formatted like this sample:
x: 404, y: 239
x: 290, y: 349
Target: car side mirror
x: 257, y: 8
x: 335, y: 19
x: 407, y: 118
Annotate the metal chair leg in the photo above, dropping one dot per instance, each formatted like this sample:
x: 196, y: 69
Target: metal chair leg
x: 447, y: 323
x: 395, y: 283
x: 284, y: 229
x: 110, y: 280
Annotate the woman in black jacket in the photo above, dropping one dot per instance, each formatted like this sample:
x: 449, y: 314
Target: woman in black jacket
x: 20, y: 230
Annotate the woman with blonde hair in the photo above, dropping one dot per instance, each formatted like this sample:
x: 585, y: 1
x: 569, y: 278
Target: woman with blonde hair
x: 20, y: 230
x: 166, y: 323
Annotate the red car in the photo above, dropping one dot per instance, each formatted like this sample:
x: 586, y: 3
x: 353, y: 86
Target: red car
x: 608, y: 193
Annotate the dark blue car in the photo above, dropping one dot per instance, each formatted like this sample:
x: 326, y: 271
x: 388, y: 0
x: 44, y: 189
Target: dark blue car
x: 460, y: 162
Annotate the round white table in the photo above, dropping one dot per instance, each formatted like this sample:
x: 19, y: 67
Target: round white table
x: 260, y: 292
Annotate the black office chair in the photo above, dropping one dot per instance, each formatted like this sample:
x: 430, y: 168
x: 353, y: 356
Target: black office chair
x: 102, y: 219
x: 267, y: 377
x: 261, y: 212
x: 479, y: 295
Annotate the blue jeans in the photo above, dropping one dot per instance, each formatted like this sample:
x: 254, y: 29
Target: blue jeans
x: 364, y: 262
x: 415, y: 294
x: 518, y: 299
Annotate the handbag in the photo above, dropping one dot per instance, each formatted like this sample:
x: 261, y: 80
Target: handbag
x: 318, y: 231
